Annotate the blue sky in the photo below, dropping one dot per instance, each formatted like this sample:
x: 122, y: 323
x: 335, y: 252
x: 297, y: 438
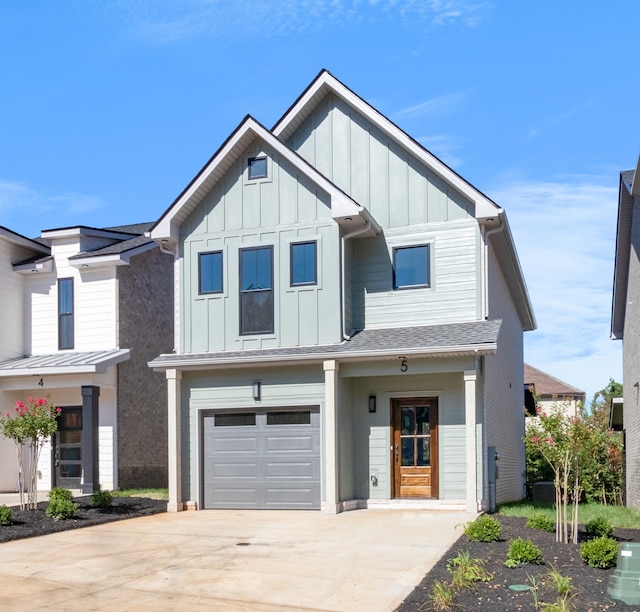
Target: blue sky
x: 108, y: 109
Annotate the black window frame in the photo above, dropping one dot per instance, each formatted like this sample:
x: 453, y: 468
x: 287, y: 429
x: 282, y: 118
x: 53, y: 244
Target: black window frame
x: 244, y: 292
x: 292, y: 246
x: 427, y: 248
x: 66, y: 337
x: 201, y: 291
x: 253, y: 177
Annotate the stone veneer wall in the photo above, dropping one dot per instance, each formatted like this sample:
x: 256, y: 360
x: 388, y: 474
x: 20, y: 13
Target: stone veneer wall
x: 145, y: 307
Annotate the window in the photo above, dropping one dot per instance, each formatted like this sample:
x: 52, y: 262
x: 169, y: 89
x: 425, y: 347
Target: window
x: 303, y: 263
x: 210, y: 272
x: 298, y: 417
x: 411, y: 267
x: 235, y: 419
x: 65, y: 313
x: 257, y: 168
x: 256, y: 290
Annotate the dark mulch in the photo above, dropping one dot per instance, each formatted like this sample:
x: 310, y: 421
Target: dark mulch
x: 30, y: 523
x: 590, y: 585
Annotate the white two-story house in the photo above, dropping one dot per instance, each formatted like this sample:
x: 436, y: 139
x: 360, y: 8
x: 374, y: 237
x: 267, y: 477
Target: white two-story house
x: 349, y: 322
x: 91, y: 308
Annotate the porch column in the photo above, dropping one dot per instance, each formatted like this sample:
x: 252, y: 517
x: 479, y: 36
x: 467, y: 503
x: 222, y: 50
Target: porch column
x: 330, y: 464
x: 470, y: 379
x: 174, y: 447
x: 89, y: 439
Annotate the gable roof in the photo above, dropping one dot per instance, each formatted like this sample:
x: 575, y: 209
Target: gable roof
x: 547, y: 385
x: 23, y: 241
x: 343, y: 208
x: 628, y: 189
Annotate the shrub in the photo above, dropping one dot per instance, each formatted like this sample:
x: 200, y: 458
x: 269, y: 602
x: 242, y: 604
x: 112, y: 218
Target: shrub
x: 5, y: 515
x: 60, y: 494
x: 466, y: 571
x: 600, y: 552
x: 561, y: 583
x: 599, y: 527
x: 523, y: 551
x: 539, y: 520
x: 101, y: 499
x: 441, y: 596
x: 484, y: 529
x: 61, y: 509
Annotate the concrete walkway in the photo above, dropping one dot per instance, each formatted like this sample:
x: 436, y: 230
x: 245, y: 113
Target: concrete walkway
x: 230, y: 560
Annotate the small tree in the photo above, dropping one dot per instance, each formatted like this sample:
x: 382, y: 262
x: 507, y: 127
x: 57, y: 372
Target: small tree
x: 32, y: 425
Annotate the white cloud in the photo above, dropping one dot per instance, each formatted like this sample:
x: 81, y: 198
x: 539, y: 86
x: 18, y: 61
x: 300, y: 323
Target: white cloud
x: 443, y: 103
x: 564, y: 231
x: 167, y: 22
x: 443, y: 147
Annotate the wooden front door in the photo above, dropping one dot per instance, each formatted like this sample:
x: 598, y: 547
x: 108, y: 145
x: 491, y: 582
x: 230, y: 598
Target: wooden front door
x: 414, y: 451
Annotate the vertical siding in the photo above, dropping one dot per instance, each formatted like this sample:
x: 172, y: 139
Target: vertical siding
x: 275, y: 212
x: 503, y: 392
x: 631, y: 367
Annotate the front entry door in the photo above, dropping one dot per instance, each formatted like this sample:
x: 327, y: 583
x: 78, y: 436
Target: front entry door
x: 415, y: 446
x: 67, y: 448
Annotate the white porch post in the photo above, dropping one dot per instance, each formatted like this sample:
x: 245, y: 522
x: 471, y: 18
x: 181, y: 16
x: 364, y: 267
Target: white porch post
x: 175, y: 462
x: 331, y: 459
x: 470, y: 379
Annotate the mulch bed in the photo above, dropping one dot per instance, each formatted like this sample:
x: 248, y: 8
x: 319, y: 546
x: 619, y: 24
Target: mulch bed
x: 30, y: 523
x: 589, y: 585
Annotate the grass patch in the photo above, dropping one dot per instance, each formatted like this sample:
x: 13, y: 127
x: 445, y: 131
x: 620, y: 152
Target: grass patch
x: 162, y: 494
x: 619, y: 516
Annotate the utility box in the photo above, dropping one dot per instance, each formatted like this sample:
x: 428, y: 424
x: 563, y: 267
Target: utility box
x: 624, y: 583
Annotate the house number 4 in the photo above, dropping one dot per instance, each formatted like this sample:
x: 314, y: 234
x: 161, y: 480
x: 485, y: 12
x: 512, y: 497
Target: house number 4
x: 403, y: 365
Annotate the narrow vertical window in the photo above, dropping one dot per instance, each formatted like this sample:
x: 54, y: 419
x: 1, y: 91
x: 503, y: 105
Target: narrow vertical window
x: 256, y: 290
x: 411, y: 267
x: 65, y: 313
x: 304, y: 263
x: 210, y: 272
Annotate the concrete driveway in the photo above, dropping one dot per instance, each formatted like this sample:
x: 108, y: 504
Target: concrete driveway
x: 230, y: 560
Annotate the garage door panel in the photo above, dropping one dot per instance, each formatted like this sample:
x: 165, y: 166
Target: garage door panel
x: 273, y: 462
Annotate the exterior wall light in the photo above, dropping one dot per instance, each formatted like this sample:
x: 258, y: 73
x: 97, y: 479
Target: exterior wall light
x: 372, y: 403
x: 257, y: 391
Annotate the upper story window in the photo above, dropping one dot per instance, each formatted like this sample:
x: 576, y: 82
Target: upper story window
x: 65, y: 313
x: 411, y: 267
x: 256, y: 290
x: 304, y: 267
x: 257, y: 168
x: 210, y: 272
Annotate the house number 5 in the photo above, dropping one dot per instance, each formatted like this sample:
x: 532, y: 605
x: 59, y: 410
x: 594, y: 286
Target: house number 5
x: 403, y: 365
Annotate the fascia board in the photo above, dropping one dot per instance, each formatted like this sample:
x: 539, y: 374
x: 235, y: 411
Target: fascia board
x: 23, y: 241
x: 81, y: 230
x: 472, y: 349
x: 621, y: 261
x: 635, y: 187
x: 484, y: 207
x: 168, y: 226
x: 116, y: 259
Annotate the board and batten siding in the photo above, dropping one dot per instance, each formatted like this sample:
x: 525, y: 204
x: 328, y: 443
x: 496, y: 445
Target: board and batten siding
x: 504, y: 392
x: 237, y: 214
x: 232, y: 390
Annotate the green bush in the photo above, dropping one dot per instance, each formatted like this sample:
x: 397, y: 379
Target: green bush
x: 61, y: 509
x: 484, y: 529
x: 523, y: 551
x: 466, y: 571
x: 599, y: 527
x: 101, y: 499
x: 539, y: 520
x: 600, y: 552
x: 5, y: 515
x: 60, y: 494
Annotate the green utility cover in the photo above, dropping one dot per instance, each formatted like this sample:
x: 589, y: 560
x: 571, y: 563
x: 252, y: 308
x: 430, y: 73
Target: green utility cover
x: 624, y: 583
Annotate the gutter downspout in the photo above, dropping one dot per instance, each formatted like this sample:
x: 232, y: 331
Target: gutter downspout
x: 343, y: 307
x: 485, y: 265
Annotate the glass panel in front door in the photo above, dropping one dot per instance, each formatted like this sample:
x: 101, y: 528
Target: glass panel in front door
x: 68, y: 448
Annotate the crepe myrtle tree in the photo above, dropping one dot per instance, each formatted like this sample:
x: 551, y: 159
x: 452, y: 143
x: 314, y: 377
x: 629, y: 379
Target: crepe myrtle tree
x: 31, y: 425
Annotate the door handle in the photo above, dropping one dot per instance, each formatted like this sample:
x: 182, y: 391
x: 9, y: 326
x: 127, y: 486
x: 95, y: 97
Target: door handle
x: 395, y: 453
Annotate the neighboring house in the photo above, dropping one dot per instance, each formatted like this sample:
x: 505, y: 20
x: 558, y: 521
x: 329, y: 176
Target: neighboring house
x: 625, y: 324
x: 98, y: 304
x: 349, y: 318
x: 550, y: 393
x: 13, y: 248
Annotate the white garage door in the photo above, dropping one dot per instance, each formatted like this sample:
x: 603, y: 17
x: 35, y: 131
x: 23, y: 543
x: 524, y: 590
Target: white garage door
x: 262, y: 458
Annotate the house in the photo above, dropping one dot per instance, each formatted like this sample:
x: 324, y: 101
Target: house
x: 547, y: 393
x: 625, y: 324
x: 13, y: 248
x: 349, y: 322
x: 97, y: 304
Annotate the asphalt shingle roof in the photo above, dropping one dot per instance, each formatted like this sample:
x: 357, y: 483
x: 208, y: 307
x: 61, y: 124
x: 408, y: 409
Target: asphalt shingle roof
x: 546, y: 384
